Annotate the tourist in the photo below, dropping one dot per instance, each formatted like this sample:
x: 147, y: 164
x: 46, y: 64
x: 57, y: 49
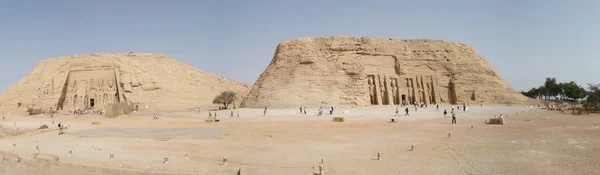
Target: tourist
x: 406, y: 112
x: 465, y: 108
x: 60, y: 132
x: 396, y: 111
x: 453, y: 119
x: 265, y: 112
x: 209, y: 114
x: 501, y: 116
x: 304, y: 110
x: 320, y: 111
x: 300, y: 109
x: 437, y: 107
x: 331, y: 111
x: 445, y: 112
x: 155, y: 116
x: 231, y: 115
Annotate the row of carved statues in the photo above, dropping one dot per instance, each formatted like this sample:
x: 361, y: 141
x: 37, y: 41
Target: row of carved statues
x: 421, y: 90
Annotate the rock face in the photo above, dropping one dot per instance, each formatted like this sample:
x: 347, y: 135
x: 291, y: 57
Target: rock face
x: 350, y: 71
x: 81, y: 81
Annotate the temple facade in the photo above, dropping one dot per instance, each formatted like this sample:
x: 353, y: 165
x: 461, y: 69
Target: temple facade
x: 90, y: 86
x: 393, y: 90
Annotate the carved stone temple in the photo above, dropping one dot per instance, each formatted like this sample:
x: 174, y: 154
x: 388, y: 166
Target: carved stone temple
x: 137, y: 80
x: 351, y: 71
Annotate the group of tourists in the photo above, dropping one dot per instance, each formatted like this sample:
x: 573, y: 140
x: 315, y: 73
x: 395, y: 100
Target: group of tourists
x: 303, y: 110
x: 452, y: 112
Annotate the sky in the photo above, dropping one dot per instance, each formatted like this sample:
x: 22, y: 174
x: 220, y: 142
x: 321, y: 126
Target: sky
x: 525, y: 40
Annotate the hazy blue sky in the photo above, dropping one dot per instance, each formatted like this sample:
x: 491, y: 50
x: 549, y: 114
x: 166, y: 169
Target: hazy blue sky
x: 526, y: 41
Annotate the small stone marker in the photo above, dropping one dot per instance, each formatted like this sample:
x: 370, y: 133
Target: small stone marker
x: 378, y: 156
x: 338, y: 119
x: 224, y: 161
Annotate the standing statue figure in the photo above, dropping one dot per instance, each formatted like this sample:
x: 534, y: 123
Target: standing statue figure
x: 382, y: 89
x: 371, y: 90
x: 394, y: 92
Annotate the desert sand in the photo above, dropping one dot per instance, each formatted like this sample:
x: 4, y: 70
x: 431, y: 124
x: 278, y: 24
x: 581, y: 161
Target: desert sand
x: 532, y: 141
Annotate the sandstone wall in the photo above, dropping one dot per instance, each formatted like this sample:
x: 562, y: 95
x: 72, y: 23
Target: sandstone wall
x: 152, y: 80
x: 349, y: 71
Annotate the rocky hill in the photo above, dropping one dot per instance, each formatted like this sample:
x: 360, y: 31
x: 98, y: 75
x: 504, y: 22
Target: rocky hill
x: 351, y: 71
x: 81, y: 81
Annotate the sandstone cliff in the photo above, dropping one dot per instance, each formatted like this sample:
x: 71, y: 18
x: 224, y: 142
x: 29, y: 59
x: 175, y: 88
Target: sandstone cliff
x: 153, y: 80
x: 347, y: 71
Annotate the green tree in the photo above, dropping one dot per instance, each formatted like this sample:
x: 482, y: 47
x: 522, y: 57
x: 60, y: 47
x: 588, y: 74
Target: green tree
x: 225, y: 98
x: 593, y: 97
x: 551, y: 87
x: 572, y: 92
x: 532, y: 93
x: 542, y: 92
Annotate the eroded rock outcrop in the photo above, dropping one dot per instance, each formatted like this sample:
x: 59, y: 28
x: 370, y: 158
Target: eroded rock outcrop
x: 376, y: 71
x: 81, y: 81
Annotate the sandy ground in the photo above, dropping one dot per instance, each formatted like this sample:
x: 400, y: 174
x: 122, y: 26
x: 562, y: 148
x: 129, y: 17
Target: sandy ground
x: 532, y: 141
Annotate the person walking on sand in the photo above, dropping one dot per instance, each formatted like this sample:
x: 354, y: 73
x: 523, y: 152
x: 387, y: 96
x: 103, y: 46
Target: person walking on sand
x: 453, y: 119
x: 265, y: 112
x: 396, y: 111
x: 406, y: 112
x: 445, y: 112
x: 437, y: 107
x: 60, y: 128
x: 304, y: 110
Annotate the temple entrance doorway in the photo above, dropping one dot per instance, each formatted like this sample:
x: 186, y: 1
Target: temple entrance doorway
x: 92, y: 102
x: 403, y: 97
